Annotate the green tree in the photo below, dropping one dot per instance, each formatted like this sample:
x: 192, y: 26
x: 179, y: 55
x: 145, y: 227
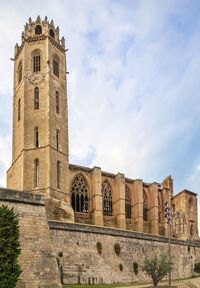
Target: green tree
x: 157, y: 267
x: 9, y: 248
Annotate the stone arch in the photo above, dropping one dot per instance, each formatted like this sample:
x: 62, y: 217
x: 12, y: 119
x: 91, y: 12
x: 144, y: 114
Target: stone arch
x: 79, y: 194
x: 107, y: 198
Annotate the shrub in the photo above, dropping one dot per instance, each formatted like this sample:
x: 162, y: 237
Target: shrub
x: 9, y: 248
x: 117, y: 248
x: 197, y: 267
x: 99, y: 247
x: 60, y: 254
x: 135, y: 267
x: 121, y: 267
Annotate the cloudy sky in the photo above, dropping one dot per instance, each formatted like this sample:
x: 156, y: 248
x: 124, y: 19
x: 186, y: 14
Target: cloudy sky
x: 133, y: 87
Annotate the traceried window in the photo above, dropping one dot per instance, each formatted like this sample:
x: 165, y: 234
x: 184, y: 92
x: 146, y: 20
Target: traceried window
x: 127, y: 202
x: 107, y: 199
x: 56, y: 67
x: 145, y: 218
x: 36, y: 98
x: 36, y: 62
x: 36, y: 137
x: 19, y: 109
x: 58, y: 174
x: 20, y: 72
x: 51, y: 33
x: 57, y: 139
x: 36, y: 168
x: 79, y: 194
x: 38, y: 30
x: 57, y: 103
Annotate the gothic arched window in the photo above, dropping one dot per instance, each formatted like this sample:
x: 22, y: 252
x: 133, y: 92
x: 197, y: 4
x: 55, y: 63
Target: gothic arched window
x: 38, y: 30
x: 36, y: 172
x: 127, y: 202
x: 56, y: 66
x: 51, y: 33
x: 57, y: 103
x: 36, y: 98
x: 145, y: 218
x: 191, y: 230
x: 36, y: 62
x: 79, y: 194
x: 57, y: 139
x: 58, y: 174
x: 20, y: 72
x: 107, y: 199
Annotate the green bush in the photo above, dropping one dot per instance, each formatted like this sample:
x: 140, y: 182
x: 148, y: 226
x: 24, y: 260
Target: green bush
x: 197, y: 267
x: 9, y: 248
x: 117, y: 248
x: 99, y: 247
x: 121, y: 267
x: 135, y: 267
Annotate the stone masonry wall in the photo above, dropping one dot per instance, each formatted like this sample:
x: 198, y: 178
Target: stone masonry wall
x: 37, y: 259
x: 83, y: 264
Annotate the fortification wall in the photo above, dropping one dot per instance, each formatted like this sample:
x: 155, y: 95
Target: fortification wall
x: 83, y: 264
x: 37, y: 259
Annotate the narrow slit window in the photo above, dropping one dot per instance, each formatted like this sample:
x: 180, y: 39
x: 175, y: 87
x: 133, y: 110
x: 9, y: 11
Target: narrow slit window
x: 36, y: 173
x: 36, y: 98
x: 20, y: 72
x: 58, y: 174
x: 57, y: 103
x: 36, y: 62
x: 36, y: 137
x: 19, y: 109
x: 57, y: 139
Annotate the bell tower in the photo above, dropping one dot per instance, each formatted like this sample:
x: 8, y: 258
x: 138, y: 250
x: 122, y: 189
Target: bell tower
x: 40, y: 123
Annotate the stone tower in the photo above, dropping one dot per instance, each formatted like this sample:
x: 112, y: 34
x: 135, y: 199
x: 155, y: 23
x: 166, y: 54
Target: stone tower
x: 40, y: 130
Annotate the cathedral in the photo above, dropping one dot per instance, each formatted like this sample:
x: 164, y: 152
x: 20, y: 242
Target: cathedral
x: 40, y: 157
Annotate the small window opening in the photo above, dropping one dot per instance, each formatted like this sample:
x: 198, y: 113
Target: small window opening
x: 36, y: 137
x: 57, y: 102
x: 58, y: 174
x: 51, y: 33
x: 57, y: 139
x: 38, y: 30
x: 55, y: 68
x: 20, y: 72
x: 19, y: 109
x: 145, y: 218
x: 36, y: 173
x: 36, y: 98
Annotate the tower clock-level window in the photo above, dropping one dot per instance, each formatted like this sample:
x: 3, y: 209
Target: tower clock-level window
x: 56, y: 67
x: 107, y: 199
x: 20, y: 72
x: 36, y: 180
x: 58, y: 174
x: 36, y: 98
x: 38, y: 30
x: 36, y: 137
x: 36, y: 62
x: 19, y: 109
x: 57, y: 103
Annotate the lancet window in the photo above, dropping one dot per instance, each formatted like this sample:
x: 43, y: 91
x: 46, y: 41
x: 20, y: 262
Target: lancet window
x: 79, y: 195
x: 51, y: 33
x: 127, y: 202
x: 36, y: 98
x: 20, y: 72
x: 56, y: 67
x: 57, y: 103
x: 57, y: 139
x: 36, y: 62
x: 107, y: 199
x: 36, y: 137
x: 38, y: 30
x: 36, y: 164
x: 58, y: 174
x: 145, y: 218
x: 19, y: 109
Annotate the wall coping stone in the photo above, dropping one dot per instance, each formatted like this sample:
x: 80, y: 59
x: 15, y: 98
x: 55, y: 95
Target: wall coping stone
x: 57, y: 225
x: 10, y: 195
